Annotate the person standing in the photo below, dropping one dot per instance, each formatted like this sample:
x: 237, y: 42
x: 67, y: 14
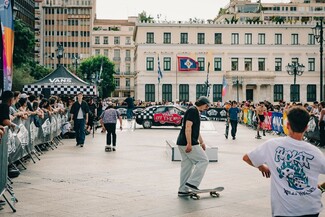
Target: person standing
x: 79, y: 114
x: 233, y: 118
x: 7, y: 101
x: 130, y: 106
x: 192, y: 148
x: 294, y: 167
x: 109, y: 118
x: 321, y: 124
x: 260, y: 109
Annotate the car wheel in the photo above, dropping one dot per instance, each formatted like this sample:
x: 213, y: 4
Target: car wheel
x: 147, y: 124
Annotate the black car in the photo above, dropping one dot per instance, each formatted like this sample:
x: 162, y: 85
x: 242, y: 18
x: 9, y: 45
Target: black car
x: 162, y: 115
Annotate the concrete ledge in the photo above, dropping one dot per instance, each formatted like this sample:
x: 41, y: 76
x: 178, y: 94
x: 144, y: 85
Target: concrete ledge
x: 173, y: 152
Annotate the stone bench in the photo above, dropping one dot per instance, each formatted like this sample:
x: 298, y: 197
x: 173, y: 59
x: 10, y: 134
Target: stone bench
x: 173, y: 152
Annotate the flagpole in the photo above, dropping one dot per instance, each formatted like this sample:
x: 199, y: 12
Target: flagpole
x: 176, y: 85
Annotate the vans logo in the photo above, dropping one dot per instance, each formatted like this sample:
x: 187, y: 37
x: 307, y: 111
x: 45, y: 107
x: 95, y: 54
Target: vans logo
x: 61, y: 80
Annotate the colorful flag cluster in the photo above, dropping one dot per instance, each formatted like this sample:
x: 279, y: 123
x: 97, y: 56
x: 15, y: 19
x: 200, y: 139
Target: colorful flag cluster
x: 7, y: 25
x: 224, y: 86
x: 187, y: 64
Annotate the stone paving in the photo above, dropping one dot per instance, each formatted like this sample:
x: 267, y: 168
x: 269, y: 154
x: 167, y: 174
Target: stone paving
x: 139, y: 179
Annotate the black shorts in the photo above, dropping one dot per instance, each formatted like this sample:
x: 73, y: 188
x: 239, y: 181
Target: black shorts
x: 261, y: 117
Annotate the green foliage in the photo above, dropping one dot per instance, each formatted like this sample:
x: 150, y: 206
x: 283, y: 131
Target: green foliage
x: 24, y: 44
x: 233, y: 20
x: 105, y: 81
x: 21, y: 77
x: 144, y: 18
x: 39, y: 71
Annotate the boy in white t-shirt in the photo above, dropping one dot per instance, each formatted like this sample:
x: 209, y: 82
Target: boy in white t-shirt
x: 295, y: 166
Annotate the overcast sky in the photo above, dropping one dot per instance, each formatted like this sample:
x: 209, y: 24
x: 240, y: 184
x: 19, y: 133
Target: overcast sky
x: 167, y: 9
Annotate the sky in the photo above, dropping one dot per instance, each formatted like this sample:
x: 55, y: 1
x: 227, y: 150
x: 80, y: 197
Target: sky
x: 172, y: 10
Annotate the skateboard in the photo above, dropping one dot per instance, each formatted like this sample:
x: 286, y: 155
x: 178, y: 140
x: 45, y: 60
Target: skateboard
x: 108, y: 148
x: 194, y: 194
x: 227, y: 130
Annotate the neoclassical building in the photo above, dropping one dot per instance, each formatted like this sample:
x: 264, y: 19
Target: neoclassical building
x: 251, y: 57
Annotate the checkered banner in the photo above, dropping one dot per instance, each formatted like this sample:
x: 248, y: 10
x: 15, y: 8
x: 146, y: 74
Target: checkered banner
x: 58, y: 90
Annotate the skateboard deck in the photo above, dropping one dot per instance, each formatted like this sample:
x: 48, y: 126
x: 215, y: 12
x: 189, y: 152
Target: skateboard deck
x: 227, y: 130
x: 194, y: 194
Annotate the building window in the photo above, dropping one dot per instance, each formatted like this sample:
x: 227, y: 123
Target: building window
x: 311, y: 64
x: 106, y: 52
x: 278, y: 92
x: 117, y: 68
x: 150, y: 64
x: 248, y: 64
x: 97, y: 52
x: 311, y: 92
x: 201, y: 90
x: 218, y: 38
x: 311, y: 39
x: 217, y: 92
x: 248, y: 38
x: 294, y: 93
x: 117, y: 55
x: 278, y: 64
x: 97, y: 40
x: 150, y: 93
x: 234, y: 64
x: 105, y: 39
x: 127, y: 68
x: 127, y: 83
x: 117, y: 83
x: 234, y: 38
x: 116, y: 39
x: 184, y: 92
x: 128, y: 41
x: 127, y: 55
x: 294, y: 39
x: 295, y: 60
x: 184, y: 38
x: 167, y: 37
x: 150, y: 38
x: 261, y: 38
x: 201, y: 61
x: 261, y: 64
x: 200, y: 38
x: 278, y: 39
x: 217, y: 64
x: 167, y: 63
x: 167, y: 92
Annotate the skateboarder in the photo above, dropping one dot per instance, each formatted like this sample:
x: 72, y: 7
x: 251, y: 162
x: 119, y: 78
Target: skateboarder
x: 192, y: 148
x: 109, y: 118
x: 294, y: 166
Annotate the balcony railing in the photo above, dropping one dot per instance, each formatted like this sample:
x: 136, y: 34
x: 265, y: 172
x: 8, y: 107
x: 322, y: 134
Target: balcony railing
x: 127, y: 58
x: 116, y: 58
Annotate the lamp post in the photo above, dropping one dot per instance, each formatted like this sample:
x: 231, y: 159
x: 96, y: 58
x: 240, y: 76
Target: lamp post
x: 76, y: 61
x: 207, y: 85
x: 318, y: 32
x: 238, y: 81
x: 59, y: 53
x: 295, y: 69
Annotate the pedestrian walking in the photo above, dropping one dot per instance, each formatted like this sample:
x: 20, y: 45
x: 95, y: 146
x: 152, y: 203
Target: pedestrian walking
x: 109, y: 118
x: 79, y: 114
x: 192, y: 148
x: 321, y: 124
x: 293, y: 166
x: 130, y: 106
x: 233, y: 118
x: 260, y: 109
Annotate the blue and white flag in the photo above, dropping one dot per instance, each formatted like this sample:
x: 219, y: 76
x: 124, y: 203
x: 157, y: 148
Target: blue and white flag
x: 187, y: 64
x: 160, y: 75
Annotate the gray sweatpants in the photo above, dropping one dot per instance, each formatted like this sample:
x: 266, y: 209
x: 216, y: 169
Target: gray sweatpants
x: 193, y: 166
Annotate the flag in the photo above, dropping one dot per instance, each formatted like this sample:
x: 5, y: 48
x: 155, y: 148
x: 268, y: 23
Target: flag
x: 7, y: 25
x: 187, y: 64
x: 224, y: 86
x: 160, y: 75
x: 101, y: 69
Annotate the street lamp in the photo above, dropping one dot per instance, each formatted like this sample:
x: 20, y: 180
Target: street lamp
x: 59, y: 53
x: 318, y: 32
x: 295, y: 69
x: 207, y: 85
x: 238, y: 81
x: 75, y: 61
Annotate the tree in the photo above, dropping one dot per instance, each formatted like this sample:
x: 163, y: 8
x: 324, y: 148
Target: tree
x: 144, y: 18
x: 21, y: 78
x: 104, y: 78
x: 24, y: 44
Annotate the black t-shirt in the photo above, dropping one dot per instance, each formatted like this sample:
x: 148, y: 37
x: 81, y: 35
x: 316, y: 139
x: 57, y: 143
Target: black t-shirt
x: 193, y: 115
x: 129, y: 101
x: 4, y: 113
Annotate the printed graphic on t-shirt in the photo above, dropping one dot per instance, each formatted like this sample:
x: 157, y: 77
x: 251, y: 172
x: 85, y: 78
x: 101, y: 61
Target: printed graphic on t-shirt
x: 293, y: 168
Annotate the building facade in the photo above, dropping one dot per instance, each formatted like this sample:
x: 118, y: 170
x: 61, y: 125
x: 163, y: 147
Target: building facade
x: 251, y: 57
x: 63, y: 22
x: 113, y: 39
x: 25, y: 12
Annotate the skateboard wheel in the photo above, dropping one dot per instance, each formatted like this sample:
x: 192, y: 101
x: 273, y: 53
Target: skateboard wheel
x: 214, y: 194
x: 195, y: 197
